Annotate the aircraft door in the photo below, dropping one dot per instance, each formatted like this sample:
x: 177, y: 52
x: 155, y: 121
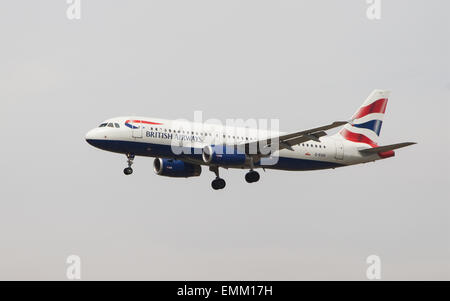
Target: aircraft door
x: 136, y: 129
x: 339, y: 149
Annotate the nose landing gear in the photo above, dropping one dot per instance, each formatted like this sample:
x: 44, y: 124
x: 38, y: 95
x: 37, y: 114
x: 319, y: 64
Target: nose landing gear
x: 129, y: 170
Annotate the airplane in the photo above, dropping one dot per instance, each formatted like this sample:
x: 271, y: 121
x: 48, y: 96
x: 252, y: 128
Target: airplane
x: 182, y: 148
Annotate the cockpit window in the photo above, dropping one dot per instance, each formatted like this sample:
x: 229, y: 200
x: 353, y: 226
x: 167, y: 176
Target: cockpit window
x: 110, y: 125
x: 117, y: 125
x: 102, y: 125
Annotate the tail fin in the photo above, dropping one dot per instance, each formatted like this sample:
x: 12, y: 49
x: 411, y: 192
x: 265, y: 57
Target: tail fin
x: 366, y: 123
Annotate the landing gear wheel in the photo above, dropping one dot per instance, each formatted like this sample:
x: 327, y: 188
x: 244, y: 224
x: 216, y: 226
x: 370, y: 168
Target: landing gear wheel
x: 128, y: 171
x: 218, y: 183
x: 252, y: 176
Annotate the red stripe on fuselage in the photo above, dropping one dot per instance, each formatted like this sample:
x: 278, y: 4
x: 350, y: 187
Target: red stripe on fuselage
x: 355, y: 137
x: 378, y: 106
x: 143, y: 121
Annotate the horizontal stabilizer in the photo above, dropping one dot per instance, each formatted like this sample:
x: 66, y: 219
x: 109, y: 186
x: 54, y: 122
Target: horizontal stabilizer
x: 385, y: 148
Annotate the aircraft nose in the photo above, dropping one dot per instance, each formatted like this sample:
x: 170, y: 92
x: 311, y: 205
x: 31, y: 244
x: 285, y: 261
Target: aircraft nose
x: 91, y: 136
x: 97, y: 137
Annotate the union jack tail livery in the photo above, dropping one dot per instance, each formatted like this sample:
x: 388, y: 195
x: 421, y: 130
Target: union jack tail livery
x: 365, y: 125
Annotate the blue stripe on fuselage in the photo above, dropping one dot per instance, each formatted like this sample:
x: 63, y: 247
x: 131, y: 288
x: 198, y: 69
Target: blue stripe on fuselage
x: 165, y: 151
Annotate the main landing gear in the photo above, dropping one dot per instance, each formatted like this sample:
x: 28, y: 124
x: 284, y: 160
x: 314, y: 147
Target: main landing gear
x: 218, y: 182
x: 129, y: 170
x: 252, y: 176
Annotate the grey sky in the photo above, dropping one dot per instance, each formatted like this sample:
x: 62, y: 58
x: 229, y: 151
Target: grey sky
x: 304, y: 62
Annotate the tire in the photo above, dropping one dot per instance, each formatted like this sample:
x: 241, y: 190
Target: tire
x: 252, y: 176
x: 222, y: 183
x: 218, y: 184
x: 128, y: 171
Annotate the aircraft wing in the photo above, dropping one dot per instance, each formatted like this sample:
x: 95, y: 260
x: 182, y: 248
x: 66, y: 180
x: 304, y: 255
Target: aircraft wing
x: 288, y: 140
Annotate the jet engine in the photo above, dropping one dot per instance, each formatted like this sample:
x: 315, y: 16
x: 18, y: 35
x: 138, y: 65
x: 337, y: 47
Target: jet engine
x: 176, y: 168
x: 223, y: 155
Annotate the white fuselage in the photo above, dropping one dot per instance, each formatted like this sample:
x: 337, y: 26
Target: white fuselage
x: 154, y: 137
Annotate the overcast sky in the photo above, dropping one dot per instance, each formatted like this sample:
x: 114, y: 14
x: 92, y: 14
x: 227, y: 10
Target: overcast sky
x: 307, y: 63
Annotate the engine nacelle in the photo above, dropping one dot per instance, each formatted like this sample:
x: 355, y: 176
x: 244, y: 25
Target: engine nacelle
x: 223, y: 155
x: 176, y: 168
